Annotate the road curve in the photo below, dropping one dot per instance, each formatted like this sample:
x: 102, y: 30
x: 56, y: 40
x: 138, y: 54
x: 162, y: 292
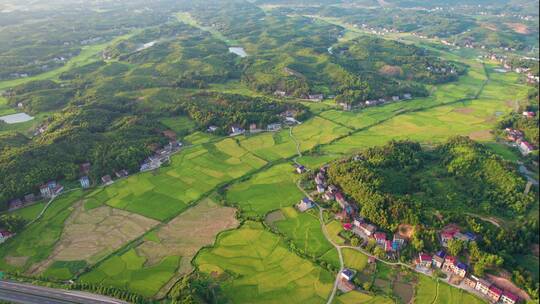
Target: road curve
x: 29, y: 294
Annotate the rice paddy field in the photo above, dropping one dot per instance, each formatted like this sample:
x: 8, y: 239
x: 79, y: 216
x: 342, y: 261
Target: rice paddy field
x: 36, y: 242
x: 268, y: 190
x: 304, y: 229
x: 192, y: 173
x: 168, y: 211
x: 359, y: 297
x: 131, y: 271
x: 262, y: 268
x: 429, y: 291
x: 354, y: 259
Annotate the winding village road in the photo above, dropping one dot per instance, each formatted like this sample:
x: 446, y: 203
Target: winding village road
x: 359, y: 249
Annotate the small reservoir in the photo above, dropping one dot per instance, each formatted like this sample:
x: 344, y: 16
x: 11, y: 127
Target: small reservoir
x: 238, y: 51
x: 16, y: 118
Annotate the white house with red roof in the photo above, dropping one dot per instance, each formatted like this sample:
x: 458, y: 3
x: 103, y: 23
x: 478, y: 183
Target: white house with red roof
x: 380, y: 238
x: 529, y: 114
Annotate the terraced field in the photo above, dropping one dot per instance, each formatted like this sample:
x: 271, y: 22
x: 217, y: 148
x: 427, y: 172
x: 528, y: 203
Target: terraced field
x: 263, y: 268
x: 192, y: 173
x: 269, y: 190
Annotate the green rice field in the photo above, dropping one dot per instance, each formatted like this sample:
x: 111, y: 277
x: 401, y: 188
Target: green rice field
x: 263, y: 268
x: 266, y: 191
x: 130, y: 271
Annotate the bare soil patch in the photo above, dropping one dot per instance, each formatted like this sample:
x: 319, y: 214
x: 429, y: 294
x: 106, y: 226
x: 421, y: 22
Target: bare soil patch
x: 490, y: 26
x: 508, y: 285
x: 390, y: 70
x: 480, y: 135
x: 465, y: 111
x: 16, y: 261
x: 404, y: 291
x: 519, y: 28
x: 405, y: 230
x: 90, y: 235
x: 273, y: 217
x: 190, y: 231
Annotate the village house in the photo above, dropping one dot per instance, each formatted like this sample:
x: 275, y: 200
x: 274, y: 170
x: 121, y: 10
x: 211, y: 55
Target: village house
x: 319, y: 179
x: 465, y: 237
x: 357, y: 221
x: 328, y: 196
x: 395, y: 98
x: 333, y: 189
x: 300, y: 169
x: 494, y: 293
x: 347, y: 274
x: 305, y: 204
x: 407, y: 96
x: 424, y: 260
x: 106, y: 180
x: 121, y: 173
x: 316, y: 97
x: 15, y: 204
x: 320, y: 188
x: 341, y: 200
x: 483, y: 286
x: 280, y: 93
x: 397, y: 242
x: 438, y: 259
x: 388, y: 246
x: 4, y: 235
x: 367, y: 229
x: 513, y: 134
x: 525, y: 148
x: 460, y: 269
x: 529, y: 114
x: 85, y: 168
x: 30, y: 198
x: 274, y: 127
x: 471, y: 281
x: 509, y: 298
x: 380, y: 238
x: 446, y: 237
x: 212, y: 129
x: 85, y: 182
x: 449, y: 263
x: 253, y: 128
x: 45, y: 191
x: 236, y: 130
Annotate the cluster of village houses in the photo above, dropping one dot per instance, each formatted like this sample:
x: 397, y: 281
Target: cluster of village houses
x: 392, y: 245
x: 460, y: 271
x: 363, y: 104
x: 516, y: 136
x: 503, y: 59
x: 52, y: 188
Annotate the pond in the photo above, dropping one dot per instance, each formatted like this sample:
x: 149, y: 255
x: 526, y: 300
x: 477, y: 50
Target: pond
x: 147, y: 45
x: 238, y: 51
x: 16, y: 118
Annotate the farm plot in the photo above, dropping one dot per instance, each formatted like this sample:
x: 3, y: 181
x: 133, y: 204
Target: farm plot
x: 430, y: 126
x: 270, y: 146
x: 36, y: 242
x: 130, y: 271
x: 263, y: 269
x: 91, y: 235
x: 274, y: 146
x: 188, y: 232
x: 266, y: 191
x: 429, y: 291
x: 354, y: 259
x: 192, y: 173
x: 304, y: 229
x: 358, y: 297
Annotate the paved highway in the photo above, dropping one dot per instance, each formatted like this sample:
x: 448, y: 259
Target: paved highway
x: 30, y: 294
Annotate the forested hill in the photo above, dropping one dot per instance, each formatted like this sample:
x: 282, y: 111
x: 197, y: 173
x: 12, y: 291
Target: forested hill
x: 429, y: 188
